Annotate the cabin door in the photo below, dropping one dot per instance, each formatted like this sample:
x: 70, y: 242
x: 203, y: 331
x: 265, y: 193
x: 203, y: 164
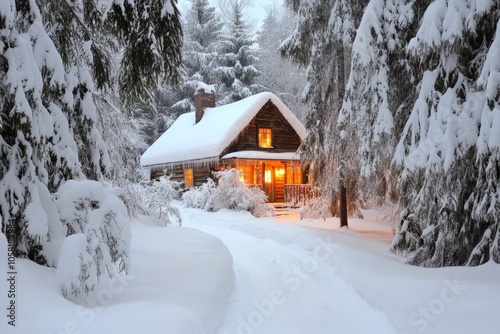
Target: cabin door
x: 279, y: 184
x: 274, y: 182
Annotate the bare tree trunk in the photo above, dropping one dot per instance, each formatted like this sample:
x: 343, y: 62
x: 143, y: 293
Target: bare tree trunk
x: 343, y: 173
x: 343, y: 206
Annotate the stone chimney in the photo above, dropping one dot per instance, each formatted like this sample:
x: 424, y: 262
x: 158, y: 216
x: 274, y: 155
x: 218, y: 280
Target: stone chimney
x: 203, y: 98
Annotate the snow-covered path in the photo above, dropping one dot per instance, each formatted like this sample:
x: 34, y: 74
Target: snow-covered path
x: 286, y: 280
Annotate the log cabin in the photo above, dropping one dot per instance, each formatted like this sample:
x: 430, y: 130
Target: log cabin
x: 258, y: 135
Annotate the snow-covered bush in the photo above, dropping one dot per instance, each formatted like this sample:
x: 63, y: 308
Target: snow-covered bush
x: 98, y: 245
x: 76, y: 271
x: 157, y: 198
x: 228, y: 193
x: 198, y: 197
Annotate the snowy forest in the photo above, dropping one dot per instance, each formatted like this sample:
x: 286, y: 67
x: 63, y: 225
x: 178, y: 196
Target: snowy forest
x: 400, y: 98
x: 409, y: 93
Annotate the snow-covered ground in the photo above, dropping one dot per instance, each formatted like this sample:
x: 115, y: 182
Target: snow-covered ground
x: 285, y: 279
x: 290, y: 276
x: 330, y: 280
x: 179, y: 282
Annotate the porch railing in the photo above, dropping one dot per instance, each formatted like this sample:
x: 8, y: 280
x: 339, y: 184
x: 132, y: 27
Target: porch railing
x: 300, y: 194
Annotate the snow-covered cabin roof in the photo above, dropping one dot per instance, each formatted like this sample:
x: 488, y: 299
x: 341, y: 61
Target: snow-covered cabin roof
x: 186, y: 140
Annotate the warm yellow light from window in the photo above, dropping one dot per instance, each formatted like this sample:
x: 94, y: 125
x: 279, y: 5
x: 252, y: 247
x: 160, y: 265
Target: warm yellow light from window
x: 297, y: 175
x: 294, y: 175
x: 246, y: 174
x: 188, y: 177
x: 267, y: 176
x: 280, y: 172
x: 265, y: 138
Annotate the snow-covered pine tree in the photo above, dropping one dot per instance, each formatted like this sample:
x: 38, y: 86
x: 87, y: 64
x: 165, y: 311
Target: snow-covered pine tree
x: 280, y: 75
x: 371, y: 103
x: 322, y: 42
x: 449, y: 149
x: 69, y: 26
x: 55, y: 59
x: 150, y: 34
x: 237, y: 56
x: 202, y: 29
x: 41, y: 114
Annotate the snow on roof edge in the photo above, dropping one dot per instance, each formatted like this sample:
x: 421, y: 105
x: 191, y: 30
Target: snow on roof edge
x: 190, y: 162
x: 262, y: 155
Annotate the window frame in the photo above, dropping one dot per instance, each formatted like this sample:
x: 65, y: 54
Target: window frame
x: 188, y: 172
x: 294, y: 174
x: 271, y: 139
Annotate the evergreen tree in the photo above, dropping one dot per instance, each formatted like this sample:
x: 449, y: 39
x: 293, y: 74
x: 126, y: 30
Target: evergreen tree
x: 372, y: 107
x: 236, y: 60
x: 322, y: 42
x: 150, y: 33
x: 202, y: 30
x: 56, y: 59
x: 449, y: 148
x: 280, y: 75
x: 48, y: 128
x: 423, y: 92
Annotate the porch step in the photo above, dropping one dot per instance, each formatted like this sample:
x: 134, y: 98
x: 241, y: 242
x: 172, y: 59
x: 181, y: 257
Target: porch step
x: 283, y: 209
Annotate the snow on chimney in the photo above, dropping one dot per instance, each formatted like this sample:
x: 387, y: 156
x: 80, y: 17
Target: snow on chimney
x: 203, y: 98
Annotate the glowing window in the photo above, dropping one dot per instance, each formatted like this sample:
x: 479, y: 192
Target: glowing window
x: 265, y: 138
x: 293, y: 175
x: 267, y: 176
x: 246, y: 174
x: 188, y: 177
x: 297, y: 175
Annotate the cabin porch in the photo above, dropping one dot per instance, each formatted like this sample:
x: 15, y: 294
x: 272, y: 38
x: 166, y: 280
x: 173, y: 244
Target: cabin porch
x: 275, y: 177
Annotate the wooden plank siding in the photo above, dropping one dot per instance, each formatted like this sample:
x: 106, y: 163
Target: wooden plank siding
x: 200, y: 172
x: 285, y: 139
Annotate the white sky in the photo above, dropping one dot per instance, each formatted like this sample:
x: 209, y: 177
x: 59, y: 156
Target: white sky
x: 258, y: 10
x: 253, y: 15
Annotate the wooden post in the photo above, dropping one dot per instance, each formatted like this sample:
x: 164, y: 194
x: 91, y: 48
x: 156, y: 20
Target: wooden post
x: 273, y: 183
x: 264, y: 179
x: 264, y: 176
